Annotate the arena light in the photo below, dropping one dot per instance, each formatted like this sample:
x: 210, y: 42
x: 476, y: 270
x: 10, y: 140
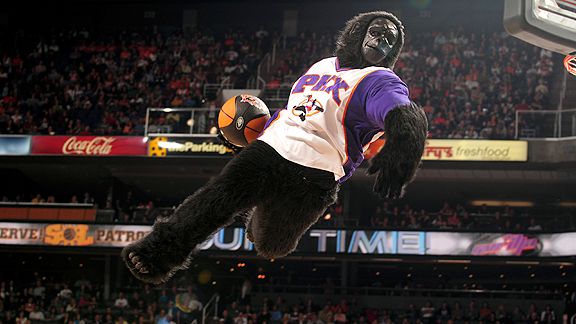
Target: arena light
x: 569, y: 204
x: 454, y: 261
x: 386, y: 260
x: 523, y: 262
x: 502, y: 203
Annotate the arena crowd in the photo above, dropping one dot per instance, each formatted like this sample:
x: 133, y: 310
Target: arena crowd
x: 91, y: 83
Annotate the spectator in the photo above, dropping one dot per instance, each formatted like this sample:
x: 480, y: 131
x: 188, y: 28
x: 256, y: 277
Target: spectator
x: 121, y: 302
x: 275, y: 315
x: 534, y: 226
x: 65, y: 293
x: 39, y: 291
x: 427, y: 312
x: 22, y: 319
x: 548, y: 315
x: 485, y: 312
x: 472, y: 313
x: 444, y: 312
x: 37, y: 314
x: 162, y: 318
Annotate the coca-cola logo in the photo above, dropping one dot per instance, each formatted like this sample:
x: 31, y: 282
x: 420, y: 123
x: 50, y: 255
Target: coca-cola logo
x: 96, y: 146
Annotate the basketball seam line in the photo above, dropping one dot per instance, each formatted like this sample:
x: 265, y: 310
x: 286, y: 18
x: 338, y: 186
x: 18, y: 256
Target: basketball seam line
x: 252, y: 129
x: 227, y: 115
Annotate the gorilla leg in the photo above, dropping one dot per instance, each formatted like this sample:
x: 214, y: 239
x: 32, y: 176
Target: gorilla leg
x: 277, y: 226
x: 156, y: 257
x: 246, y: 217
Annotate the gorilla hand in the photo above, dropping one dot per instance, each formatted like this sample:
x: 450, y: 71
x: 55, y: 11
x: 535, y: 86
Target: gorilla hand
x: 393, y: 174
x: 406, y: 129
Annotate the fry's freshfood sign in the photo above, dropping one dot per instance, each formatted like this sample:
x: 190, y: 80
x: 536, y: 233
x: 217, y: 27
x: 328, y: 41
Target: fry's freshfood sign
x: 466, y: 150
x: 89, y: 145
x: 475, y: 150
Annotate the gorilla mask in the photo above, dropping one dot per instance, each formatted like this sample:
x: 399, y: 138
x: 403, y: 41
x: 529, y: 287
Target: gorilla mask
x: 370, y: 39
x: 381, y: 36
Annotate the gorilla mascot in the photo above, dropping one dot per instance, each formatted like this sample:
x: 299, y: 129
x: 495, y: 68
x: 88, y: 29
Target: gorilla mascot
x: 282, y: 183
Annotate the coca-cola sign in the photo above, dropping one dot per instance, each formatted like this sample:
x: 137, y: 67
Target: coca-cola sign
x: 89, y: 145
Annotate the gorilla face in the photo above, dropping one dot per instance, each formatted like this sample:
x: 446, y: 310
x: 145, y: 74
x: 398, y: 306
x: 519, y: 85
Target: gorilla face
x: 370, y: 39
x: 381, y: 36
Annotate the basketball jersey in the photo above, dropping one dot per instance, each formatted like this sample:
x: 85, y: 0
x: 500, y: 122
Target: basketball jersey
x: 333, y: 114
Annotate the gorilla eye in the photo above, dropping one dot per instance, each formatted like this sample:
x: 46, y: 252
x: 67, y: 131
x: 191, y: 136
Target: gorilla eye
x: 391, y: 36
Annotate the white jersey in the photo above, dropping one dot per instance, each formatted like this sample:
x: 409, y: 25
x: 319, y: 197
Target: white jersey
x: 333, y: 114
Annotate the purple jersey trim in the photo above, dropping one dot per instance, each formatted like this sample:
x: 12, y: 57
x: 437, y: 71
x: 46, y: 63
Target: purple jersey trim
x: 374, y: 96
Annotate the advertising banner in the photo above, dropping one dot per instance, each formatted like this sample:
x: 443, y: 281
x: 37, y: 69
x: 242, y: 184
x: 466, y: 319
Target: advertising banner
x: 476, y: 150
x: 315, y: 241
x: 14, y: 145
x: 186, y: 146
x: 89, y: 145
x: 466, y: 150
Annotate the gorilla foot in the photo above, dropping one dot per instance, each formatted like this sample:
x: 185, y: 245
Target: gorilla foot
x: 155, y: 260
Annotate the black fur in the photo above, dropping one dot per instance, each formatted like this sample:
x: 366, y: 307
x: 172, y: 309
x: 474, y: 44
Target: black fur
x: 288, y: 197
x: 279, y: 199
x: 349, y: 43
x: 406, y: 130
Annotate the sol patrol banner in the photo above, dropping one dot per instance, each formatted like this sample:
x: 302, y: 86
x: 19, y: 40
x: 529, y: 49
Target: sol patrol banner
x: 89, y: 145
x: 314, y: 242
x: 466, y: 150
x: 70, y: 234
x: 186, y: 146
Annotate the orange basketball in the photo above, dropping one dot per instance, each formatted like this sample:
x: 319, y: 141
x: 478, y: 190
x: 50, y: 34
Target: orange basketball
x: 242, y: 118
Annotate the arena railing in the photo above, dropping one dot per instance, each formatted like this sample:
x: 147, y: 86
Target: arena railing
x: 182, y: 122
x: 168, y: 121
x: 545, y: 123
x: 404, y: 292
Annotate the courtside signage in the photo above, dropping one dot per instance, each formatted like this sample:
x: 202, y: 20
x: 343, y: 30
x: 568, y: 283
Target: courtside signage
x: 186, y: 146
x: 476, y: 150
x: 14, y: 145
x: 315, y: 241
x: 89, y: 145
x: 466, y: 150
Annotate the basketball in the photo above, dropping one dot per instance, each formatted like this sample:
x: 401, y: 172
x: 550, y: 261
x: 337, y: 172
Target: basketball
x: 242, y: 118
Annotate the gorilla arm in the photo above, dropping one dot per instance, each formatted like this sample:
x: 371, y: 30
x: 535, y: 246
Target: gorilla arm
x: 406, y: 129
